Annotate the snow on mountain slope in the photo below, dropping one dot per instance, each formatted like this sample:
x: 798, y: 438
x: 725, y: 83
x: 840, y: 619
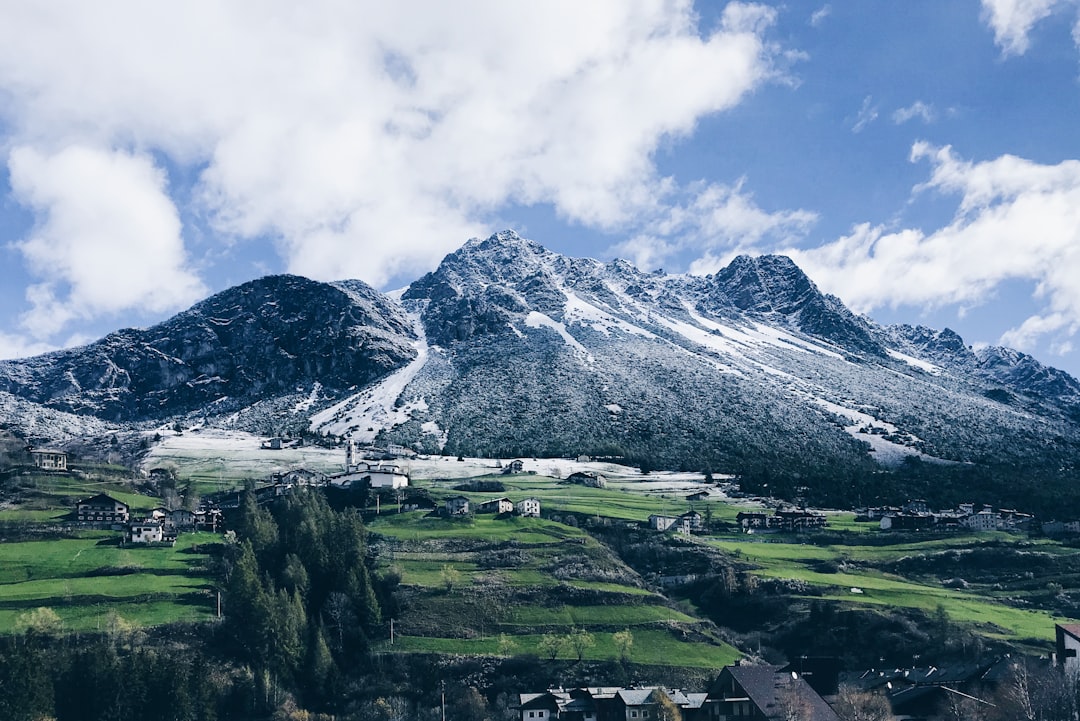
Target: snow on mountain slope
x: 507, y: 349
x: 364, y: 415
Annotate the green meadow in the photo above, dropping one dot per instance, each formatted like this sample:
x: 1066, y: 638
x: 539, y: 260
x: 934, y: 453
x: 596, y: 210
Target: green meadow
x: 87, y: 579
x: 853, y: 578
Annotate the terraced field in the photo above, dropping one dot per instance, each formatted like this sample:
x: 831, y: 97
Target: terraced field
x: 855, y: 575
x: 470, y: 581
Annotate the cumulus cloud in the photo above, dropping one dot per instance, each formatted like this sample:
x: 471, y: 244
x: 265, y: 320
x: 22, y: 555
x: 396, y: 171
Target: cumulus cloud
x: 1012, y: 20
x: 107, y: 237
x: 1016, y: 219
x: 368, y: 139
x: 714, y: 222
x: 918, y: 109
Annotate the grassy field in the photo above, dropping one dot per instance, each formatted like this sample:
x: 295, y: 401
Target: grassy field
x: 528, y: 596
x: 650, y: 647
x: 85, y: 579
x: 852, y: 578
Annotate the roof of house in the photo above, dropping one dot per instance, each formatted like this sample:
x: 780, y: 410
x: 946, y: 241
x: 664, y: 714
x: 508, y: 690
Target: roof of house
x: 1073, y: 629
x: 103, y: 498
x: 769, y: 688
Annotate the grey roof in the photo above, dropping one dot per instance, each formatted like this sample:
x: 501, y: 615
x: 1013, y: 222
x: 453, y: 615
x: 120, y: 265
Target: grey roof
x: 769, y: 687
x: 635, y: 696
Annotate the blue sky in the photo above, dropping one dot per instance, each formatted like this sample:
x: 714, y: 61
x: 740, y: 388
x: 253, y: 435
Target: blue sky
x: 919, y: 159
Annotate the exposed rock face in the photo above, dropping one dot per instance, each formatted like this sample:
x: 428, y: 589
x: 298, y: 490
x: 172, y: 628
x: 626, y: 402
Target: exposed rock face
x: 524, y: 352
x: 253, y: 341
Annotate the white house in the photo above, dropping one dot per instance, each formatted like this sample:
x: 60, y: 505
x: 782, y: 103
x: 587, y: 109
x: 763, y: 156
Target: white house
x: 662, y: 523
x: 982, y: 521
x: 146, y: 531
x: 50, y: 460
x: 529, y: 507
x: 387, y: 476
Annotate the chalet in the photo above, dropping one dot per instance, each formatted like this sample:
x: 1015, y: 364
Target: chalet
x: 690, y: 521
x: 699, y: 496
x: 755, y: 523
x: 1068, y: 648
x: 662, y: 523
x: 101, y: 508
x: 146, y: 531
x: 181, y: 518
x: 515, y: 466
x: 587, y: 478
x: 496, y: 505
x: 457, y: 506
x: 765, y: 692
x: 273, y: 444
x: 50, y: 460
x: 796, y: 519
x: 528, y: 507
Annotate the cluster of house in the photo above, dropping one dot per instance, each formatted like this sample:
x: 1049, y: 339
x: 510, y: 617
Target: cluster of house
x: 917, y: 515
x: 461, y: 506
x: 782, y: 519
x: 158, y: 526
x: 738, y: 692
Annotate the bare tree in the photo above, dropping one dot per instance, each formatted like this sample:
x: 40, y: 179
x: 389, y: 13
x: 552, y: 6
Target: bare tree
x: 854, y: 704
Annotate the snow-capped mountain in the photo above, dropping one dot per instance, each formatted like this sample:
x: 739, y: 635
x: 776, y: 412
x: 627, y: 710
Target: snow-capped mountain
x: 509, y: 349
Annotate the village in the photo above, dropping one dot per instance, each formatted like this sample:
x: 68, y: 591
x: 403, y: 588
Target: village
x: 811, y: 687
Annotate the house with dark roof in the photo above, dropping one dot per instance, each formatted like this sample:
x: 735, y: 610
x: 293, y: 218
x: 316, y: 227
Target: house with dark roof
x: 765, y: 692
x: 496, y: 505
x: 1068, y: 647
x: 101, y: 508
x: 587, y: 478
x: 928, y: 691
x: 457, y: 506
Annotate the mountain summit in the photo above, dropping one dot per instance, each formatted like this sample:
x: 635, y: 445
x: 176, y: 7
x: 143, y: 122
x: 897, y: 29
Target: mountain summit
x: 509, y: 349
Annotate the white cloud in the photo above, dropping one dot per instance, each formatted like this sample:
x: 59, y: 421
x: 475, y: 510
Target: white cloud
x: 819, y: 15
x: 918, y: 109
x: 868, y: 113
x: 1012, y: 20
x: 712, y: 221
x: 19, y: 346
x: 1016, y: 219
x: 107, y: 237
x: 368, y: 139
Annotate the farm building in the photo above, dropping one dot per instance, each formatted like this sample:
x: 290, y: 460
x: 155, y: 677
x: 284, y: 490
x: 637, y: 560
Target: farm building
x: 587, y: 478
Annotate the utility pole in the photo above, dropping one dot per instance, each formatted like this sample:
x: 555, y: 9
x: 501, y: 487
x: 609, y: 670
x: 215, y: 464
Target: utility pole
x: 443, y: 685
x: 391, y: 632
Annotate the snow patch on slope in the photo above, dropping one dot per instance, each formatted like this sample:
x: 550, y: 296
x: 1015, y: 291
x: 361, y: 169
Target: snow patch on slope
x: 362, y: 416
x: 874, y: 432
x: 914, y: 362
x: 584, y: 313
x: 536, y: 319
